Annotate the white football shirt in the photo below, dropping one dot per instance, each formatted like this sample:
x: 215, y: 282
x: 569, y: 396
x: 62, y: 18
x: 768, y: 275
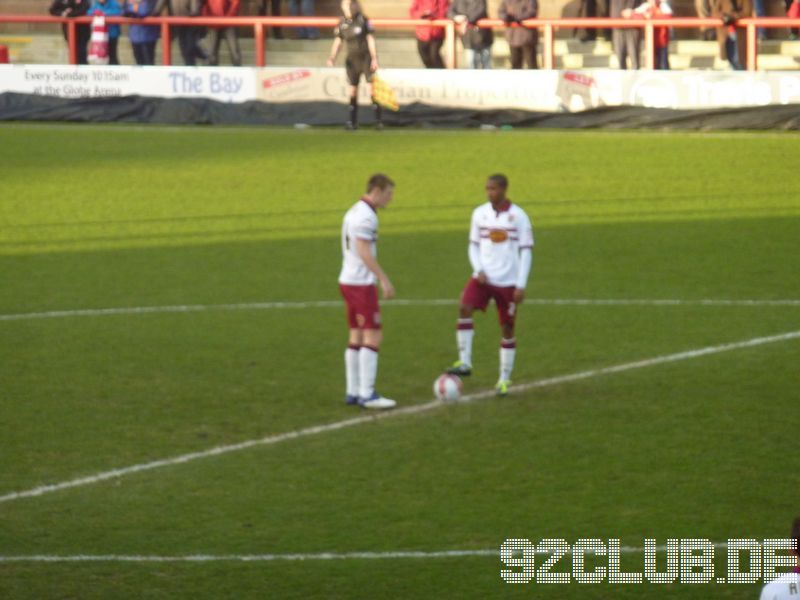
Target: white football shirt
x: 785, y: 587
x: 360, y: 222
x: 499, y: 236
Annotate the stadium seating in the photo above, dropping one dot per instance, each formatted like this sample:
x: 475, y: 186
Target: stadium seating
x: 42, y: 43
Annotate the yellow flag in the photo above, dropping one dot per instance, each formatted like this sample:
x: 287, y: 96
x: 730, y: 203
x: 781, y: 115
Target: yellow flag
x: 383, y: 94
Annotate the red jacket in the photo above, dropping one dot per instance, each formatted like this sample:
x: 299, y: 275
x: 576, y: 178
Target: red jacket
x: 660, y: 34
x: 429, y: 9
x: 221, y: 8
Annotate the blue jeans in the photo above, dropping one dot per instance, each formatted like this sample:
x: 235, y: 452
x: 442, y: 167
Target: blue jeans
x: 662, y: 58
x: 758, y: 6
x: 306, y: 7
x: 478, y: 59
x: 732, y: 52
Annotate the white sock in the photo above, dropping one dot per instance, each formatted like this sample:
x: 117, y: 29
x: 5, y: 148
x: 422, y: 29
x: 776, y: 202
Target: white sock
x: 464, y: 335
x: 368, y: 370
x: 351, y: 369
x: 508, y: 350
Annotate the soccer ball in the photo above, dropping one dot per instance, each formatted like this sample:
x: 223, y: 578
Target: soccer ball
x: 447, y: 388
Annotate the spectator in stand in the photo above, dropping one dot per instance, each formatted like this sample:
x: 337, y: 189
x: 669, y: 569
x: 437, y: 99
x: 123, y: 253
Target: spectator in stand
x: 74, y: 8
x: 732, y: 40
x: 143, y: 37
x: 626, y: 42
x: 655, y: 9
x: 306, y: 7
x: 188, y: 37
x: 522, y: 42
x: 275, y: 8
x: 477, y: 41
x: 224, y: 8
x: 430, y: 39
x: 758, y: 7
x: 792, y: 11
x: 703, y: 10
x: 109, y: 8
x: 592, y: 9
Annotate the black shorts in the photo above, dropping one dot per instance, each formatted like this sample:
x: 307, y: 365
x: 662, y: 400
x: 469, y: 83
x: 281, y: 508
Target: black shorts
x: 358, y: 65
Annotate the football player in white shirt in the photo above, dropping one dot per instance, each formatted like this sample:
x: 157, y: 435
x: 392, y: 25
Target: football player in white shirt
x: 787, y: 586
x: 357, y: 279
x: 500, y: 247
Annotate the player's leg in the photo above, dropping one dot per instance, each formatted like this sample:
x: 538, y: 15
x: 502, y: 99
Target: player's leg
x: 352, y: 122
x: 507, y: 312
x: 368, y: 362
x: 370, y: 317
x: 354, y: 342
x: 508, y: 351
x: 465, y: 332
x: 353, y: 75
x: 474, y: 297
x: 351, y: 365
x: 368, y: 372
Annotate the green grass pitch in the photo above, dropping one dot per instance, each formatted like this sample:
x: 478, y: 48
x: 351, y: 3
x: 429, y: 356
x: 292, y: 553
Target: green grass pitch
x: 125, y: 217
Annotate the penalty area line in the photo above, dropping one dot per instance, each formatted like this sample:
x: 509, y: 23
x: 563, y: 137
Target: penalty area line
x: 410, y: 410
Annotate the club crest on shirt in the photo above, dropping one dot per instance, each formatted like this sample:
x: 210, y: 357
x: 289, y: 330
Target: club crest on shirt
x: 498, y: 236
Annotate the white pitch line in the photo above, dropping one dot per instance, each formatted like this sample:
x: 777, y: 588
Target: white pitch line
x: 189, y: 308
x: 185, y: 458
x: 322, y: 556
x: 420, y: 408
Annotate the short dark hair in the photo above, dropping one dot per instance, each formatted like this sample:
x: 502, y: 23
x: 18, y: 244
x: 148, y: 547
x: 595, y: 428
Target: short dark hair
x: 796, y: 535
x: 380, y: 181
x: 355, y: 8
x: 500, y: 180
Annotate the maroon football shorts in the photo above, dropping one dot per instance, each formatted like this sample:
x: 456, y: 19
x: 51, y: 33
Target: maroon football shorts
x: 361, y: 302
x: 478, y: 296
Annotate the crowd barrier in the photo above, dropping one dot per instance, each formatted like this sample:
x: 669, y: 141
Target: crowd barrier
x: 548, y: 27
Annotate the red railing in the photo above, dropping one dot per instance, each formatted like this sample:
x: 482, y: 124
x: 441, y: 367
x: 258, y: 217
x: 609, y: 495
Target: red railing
x: 548, y: 27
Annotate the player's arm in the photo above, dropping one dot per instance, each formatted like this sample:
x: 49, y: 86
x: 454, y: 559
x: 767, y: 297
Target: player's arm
x: 337, y: 43
x: 474, y: 251
x: 364, y: 250
x: 373, y: 52
x: 525, y: 261
x: 525, y: 257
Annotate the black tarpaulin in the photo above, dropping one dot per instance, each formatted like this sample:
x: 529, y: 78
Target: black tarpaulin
x: 185, y: 111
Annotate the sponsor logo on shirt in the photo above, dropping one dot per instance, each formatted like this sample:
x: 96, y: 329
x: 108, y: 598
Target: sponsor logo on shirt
x: 498, y: 236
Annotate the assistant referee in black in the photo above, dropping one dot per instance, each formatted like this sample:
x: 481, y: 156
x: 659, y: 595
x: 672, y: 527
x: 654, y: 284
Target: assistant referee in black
x: 362, y: 56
